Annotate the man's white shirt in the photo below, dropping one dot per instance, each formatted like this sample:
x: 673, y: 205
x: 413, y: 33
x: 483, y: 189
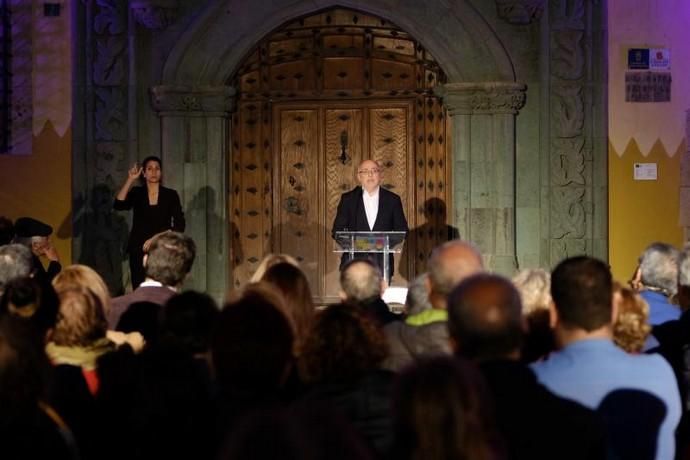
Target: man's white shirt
x: 371, y: 206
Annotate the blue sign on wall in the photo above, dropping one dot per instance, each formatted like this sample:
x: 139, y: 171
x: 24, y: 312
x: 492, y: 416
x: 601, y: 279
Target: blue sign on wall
x: 638, y: 58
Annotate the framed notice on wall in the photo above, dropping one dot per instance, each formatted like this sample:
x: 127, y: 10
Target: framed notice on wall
x: 647, y: 86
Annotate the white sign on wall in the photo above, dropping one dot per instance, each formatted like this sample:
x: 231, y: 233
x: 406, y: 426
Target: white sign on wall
x: 659, y: 59
x: 645, y: 171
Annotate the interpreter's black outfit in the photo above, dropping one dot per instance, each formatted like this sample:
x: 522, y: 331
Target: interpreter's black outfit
x: 148, y: 220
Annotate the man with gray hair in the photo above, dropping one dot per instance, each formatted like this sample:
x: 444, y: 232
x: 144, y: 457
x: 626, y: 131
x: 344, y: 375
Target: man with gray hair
x: 658, y: 273
x: 15, y: 262
x: 426, y: 333
x: 166, y: 265
x: 361, y: 284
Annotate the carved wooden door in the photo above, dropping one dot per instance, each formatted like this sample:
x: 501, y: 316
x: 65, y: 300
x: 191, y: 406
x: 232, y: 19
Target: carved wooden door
x: 319, y: 149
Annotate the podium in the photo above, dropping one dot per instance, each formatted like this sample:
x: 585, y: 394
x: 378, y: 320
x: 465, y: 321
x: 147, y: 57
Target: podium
x: 361, y: 245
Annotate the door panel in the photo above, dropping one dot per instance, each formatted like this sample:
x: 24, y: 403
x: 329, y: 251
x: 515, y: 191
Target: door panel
x: 312, y: 174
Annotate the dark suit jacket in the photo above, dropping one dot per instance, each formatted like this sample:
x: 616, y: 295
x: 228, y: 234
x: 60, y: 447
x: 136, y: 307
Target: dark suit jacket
x: 537, y: 424
x: 351, y: 216
x: 154, y: 294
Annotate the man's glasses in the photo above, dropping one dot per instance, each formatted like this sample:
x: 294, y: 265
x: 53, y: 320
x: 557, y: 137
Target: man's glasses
x: 369, y: 172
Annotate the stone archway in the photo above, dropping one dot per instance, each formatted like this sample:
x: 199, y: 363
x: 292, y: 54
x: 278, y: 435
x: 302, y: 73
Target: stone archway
x: 481, y: 93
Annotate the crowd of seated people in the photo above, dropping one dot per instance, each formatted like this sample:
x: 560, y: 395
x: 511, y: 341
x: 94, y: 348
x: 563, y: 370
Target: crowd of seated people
x: 565, y: 364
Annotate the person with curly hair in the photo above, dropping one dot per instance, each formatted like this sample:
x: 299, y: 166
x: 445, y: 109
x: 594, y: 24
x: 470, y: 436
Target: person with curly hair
x: 631, y: 326
x: 342, y: 359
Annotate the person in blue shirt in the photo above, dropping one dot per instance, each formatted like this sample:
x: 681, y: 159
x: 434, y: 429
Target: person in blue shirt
x: 637, y: 394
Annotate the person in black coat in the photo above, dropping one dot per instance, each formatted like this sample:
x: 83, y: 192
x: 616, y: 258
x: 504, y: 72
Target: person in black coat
x: 370, y: 207
x: 486, y: 326
x: 156, y: 209
x: 35, y: 235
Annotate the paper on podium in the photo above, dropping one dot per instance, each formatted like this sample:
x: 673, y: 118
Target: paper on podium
x: 395, y: 294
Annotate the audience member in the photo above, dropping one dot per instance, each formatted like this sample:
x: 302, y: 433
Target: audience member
x: 486, y: 325
x: 297, y: 299
x: 166, y: 265
x: 79, y: 276
x: 189, y: 321
x: 35, y: 235
x: 29, y: 426
x: 426, y: 333
x: 251, y: 353
x: 534, y: 286
x: 268, y: 261
x: 361, y: 285
x: 659, y: 282
x: 15, y: 262
x: 631, y: 325
x: 441, y: 411
x: 28, y: 301
x: 341, y: 361
x: 590, y: 368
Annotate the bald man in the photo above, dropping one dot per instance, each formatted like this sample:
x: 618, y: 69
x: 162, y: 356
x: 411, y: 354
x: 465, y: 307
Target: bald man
x: 426, y: 333
x: 370, y: 207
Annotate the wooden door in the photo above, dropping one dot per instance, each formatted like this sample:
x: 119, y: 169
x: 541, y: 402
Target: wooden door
x: 319, y: 147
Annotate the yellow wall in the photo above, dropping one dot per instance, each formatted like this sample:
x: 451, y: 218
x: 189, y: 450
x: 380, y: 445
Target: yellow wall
x: 39, y: 185
x: 641, y: 212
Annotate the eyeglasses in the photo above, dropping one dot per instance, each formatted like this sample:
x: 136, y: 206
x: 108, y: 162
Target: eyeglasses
x: 369, y: 172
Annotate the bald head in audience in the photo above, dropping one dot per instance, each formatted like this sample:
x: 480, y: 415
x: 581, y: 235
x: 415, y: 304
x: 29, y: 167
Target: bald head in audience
x: 449, y: 264
x: 485, y: 318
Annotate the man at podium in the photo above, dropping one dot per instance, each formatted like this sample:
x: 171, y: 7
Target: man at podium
x: 370, y: 207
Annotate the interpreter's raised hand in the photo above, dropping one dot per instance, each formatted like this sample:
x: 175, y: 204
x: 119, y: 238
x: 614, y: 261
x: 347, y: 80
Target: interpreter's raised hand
x: 134, y: 172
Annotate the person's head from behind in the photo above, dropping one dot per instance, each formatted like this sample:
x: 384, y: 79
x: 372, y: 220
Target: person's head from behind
x: 659, y: 268
x: 534, y: 286
x: 268, y: 261
x: 440, y: 411
x: 581, y: 288
x: 79, y: 276
x: 485, y: 318
x: 189, y: 320
x: 631, y: 325
x: 15, y: 262
x: 6, y: 231
x: 449, y: 264
x: 252, y: 344
x: 81, y: 319
x: 343, y: 345
x: 170, y: 258
x: 417, y: 299
x: 360, y: 281
x: 31, y: 302
x: 24, y: 372
x: 297, y: 299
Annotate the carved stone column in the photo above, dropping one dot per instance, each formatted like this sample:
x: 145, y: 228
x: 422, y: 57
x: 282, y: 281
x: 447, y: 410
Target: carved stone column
x: 194, y: 147
x: 484, y: 165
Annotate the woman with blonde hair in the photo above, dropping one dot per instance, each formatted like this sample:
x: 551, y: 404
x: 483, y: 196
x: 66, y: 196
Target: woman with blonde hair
x: 79, y: 276
x: 631, y: 327
x: 534, y: 286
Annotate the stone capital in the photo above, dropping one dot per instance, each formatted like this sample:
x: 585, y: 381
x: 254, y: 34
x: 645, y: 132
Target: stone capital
x: 154, y: 14
x: 482, y: 98
x: 520, y: 11
x: 200, y: 100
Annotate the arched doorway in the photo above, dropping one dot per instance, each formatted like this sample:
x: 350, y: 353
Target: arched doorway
x: 315, y: 97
